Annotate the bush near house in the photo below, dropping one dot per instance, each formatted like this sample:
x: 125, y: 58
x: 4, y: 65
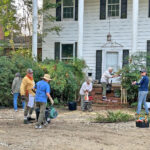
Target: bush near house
x: 131, y: 72
x: 8, y: 67
x: 67, y: 76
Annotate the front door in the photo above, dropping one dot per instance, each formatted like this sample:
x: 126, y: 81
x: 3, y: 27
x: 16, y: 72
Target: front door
x: 112, y: 60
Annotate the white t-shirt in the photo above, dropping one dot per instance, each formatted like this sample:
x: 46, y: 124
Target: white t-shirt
x: 105, y: 77
x: 85, y: 87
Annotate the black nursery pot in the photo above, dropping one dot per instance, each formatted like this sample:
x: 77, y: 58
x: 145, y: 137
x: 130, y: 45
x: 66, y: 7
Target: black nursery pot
x: 72, y: 106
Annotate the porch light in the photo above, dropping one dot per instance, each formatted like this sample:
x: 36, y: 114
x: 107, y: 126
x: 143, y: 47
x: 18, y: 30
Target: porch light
x: 109, y: 37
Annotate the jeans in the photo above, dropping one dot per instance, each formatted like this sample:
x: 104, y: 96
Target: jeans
x: 142, y: 99
x: 15, y: 101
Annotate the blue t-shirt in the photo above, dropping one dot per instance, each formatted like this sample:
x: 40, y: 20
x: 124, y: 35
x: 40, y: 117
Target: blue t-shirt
x: 42, y: 87
x: 143, y: 84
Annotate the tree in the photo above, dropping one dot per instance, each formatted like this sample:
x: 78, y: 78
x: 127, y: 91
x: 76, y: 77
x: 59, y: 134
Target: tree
x: 8, y: 20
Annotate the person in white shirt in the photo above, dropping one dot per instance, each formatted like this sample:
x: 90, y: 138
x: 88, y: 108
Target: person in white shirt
x: 105, y: 80
x: 86, y: 87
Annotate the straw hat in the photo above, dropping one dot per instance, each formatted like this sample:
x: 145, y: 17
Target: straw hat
x: 46, y: 77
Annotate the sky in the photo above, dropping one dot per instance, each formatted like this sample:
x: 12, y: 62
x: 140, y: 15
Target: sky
x: 21, y: 10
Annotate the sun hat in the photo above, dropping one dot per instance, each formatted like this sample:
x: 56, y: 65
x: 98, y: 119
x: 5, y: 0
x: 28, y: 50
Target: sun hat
x: 46, y: 77
x: 29, y: 70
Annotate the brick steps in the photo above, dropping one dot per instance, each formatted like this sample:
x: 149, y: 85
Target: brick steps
x: 112, y: 103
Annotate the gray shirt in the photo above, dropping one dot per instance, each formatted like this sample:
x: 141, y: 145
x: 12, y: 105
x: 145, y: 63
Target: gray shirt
x: 105, y: 77
x: 16, y: 85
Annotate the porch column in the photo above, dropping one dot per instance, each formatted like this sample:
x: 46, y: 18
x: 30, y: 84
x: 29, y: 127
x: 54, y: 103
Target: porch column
x: 80, y: 28
x: 135, y: 25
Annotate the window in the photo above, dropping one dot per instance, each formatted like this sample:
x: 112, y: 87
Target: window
x: 112, y: 60
x: 68, y: 9
x: 113, y: 8
x: 67, y: 52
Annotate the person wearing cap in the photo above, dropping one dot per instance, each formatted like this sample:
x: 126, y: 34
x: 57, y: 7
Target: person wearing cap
x: 28, y: 95
x: 85, y: 88
x: 16, y: 90
x: 42, y: 93
x: 105, y: 80
x: 142, y: 91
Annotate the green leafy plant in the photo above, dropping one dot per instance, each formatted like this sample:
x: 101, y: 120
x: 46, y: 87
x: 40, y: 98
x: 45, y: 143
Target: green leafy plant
x: 56, y: 101
x: 134, y: 104
x: 117, y: 92
x: 11, y: 65
x: 67, y: 78
x: 113, y: 117
x: 130, y: 73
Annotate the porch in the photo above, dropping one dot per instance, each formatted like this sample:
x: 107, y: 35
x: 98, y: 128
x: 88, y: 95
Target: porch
x: 114, y: 99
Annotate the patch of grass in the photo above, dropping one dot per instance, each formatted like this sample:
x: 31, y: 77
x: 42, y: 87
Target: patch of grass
x: 113, y: 117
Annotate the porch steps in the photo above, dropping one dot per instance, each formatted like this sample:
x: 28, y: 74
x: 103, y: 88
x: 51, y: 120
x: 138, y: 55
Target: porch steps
x: 112, y: 101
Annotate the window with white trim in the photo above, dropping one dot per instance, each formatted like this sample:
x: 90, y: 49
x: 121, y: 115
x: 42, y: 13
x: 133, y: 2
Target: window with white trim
x: 112, y: 60
x: 68, y: 9
x: 113, y: 8
x: 67, y: 52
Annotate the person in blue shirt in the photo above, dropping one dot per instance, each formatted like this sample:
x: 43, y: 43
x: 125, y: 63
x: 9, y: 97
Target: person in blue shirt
x: 143, y: 91
x: 42, y: 93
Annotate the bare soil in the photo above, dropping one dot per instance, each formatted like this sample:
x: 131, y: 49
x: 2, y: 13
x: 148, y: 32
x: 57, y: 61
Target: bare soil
x: 71, y: 130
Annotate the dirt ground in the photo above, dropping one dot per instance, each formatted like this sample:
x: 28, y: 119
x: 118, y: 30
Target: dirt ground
x: 71, y: 130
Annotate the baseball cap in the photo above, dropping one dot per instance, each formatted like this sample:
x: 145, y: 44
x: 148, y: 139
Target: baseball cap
x: 29, y: 70
x: 143, y: 70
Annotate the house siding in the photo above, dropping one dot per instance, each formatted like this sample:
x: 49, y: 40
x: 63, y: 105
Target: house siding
x: 96, y: 30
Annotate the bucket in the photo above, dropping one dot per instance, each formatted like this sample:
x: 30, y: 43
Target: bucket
x: 72, y: 106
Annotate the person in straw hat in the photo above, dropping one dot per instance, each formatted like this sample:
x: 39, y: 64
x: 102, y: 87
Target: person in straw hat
x: 42, y: 93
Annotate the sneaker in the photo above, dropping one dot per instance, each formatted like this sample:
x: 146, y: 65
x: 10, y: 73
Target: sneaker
x: 104, y: 98
x: 38, y: 127
x: 29, y: 118
x: 48, y: 120
x: 45, y: 123
x: 16, y: 110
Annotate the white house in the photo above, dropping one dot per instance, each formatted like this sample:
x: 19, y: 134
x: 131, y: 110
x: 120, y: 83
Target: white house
x: 86, y: 25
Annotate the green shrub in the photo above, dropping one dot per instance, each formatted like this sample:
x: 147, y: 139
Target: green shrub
x: 134, y: 104
x: 113, y: 117
x: 130, y: 73
x: 9, y: 66
x: 56, y: 102
x: 67, y: 78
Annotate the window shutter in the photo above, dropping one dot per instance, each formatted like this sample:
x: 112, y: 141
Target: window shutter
x: 57, y: 51
x: 124, y: 8
x: 149, y: 9
x: 102, y: 9
x: 58, y: 10
x: 125, y: 57
x: 76, y: 49
x: 76, y: 9
x: 98, y: 64
x: 148, y: 53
